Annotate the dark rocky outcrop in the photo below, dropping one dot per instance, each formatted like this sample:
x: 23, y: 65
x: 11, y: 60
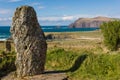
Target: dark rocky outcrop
x: 29, y: 42
x: 89, y: 22
x: 58, y: 36
x: 7, y: 46
x: 49, y: 37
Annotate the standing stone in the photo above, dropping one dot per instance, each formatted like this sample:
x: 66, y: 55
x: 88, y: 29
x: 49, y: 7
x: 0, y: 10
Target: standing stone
x: 30, y: 43
x: 7, y: 46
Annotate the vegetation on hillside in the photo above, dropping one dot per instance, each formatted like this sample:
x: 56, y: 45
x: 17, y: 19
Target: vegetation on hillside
x: 111, y: 33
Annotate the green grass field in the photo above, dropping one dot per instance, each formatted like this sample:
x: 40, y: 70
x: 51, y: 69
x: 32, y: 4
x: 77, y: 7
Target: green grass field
x: 84, y: 65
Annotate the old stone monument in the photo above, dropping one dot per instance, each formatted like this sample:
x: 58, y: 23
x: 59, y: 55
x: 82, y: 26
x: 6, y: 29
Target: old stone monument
x: 30, y: 43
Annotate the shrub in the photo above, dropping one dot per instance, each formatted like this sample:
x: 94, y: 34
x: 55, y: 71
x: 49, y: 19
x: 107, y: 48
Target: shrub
x: 111, y: 33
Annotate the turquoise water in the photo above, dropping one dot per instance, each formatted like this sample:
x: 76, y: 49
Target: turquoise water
x: 5, y: 30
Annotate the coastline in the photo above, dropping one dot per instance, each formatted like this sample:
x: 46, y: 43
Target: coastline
x: 1, y: 40
x: 71, y: 40
x: 65, y: 32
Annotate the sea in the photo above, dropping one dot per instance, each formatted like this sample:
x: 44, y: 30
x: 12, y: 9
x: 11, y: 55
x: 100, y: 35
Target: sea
x: 5, y: 30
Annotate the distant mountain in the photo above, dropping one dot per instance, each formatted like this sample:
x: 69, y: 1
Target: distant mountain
x: 90, y: 22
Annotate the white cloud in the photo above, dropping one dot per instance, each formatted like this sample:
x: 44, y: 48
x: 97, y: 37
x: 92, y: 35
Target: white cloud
x: 68, y: 18
x: 38, y: 5
x: 51, y: 18
x: 56, y: 18
x: 116, y: 15
x: 5, y: 11
x: 0, y: 19
x: 35, y: 3
x: 71, y: 17
x: 6, y: 19
x: 41, y: 7
x: 14, y: 0
x: 62, y: 18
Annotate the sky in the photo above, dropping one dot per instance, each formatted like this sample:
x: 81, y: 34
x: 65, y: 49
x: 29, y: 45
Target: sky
x: 60, y: 12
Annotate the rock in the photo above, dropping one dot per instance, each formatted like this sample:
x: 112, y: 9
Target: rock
x: 48, y: 76
x: 30, y: 43
x: 58, y: 36
x: 49, y: 37
x: 89, y: 22
x: 7, y: 46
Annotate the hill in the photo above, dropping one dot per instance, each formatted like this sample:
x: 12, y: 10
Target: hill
x: 90, y: 22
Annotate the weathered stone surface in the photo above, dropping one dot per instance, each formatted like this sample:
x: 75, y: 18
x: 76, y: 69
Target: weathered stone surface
x: 29, y: 42
x: 48, y: 76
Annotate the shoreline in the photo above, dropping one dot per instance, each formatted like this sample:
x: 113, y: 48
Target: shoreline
x: 68, y: 32
x: 3, y: 39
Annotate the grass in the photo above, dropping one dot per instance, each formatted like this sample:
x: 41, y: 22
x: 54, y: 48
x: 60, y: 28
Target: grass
x: 84, y: 65
x: 59, y: 59
x: 7, y: 61
x: 98, y: 67
x: 77, y: 34
x: 77, y: 65
x: 74, y: 41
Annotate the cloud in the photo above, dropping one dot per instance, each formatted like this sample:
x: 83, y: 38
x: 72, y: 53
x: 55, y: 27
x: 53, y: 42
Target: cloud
x: 61, y: 18
x: 115, y: 15
x: 35, y: 3
x: 50, y: 18
x: 56, y: 18
x: 6, y: 19
x: 64, y: 17
x: 38, y: 5
x: 5, y: 11
x: 64, y: 20
x: 41, y: 7
x: 14, y: 0
x: 68, y: 18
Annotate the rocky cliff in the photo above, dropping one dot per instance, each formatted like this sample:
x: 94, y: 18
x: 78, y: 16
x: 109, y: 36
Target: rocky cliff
x: 89, y: 22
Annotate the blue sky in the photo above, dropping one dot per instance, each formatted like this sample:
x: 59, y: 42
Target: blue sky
x: 60, y: 12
